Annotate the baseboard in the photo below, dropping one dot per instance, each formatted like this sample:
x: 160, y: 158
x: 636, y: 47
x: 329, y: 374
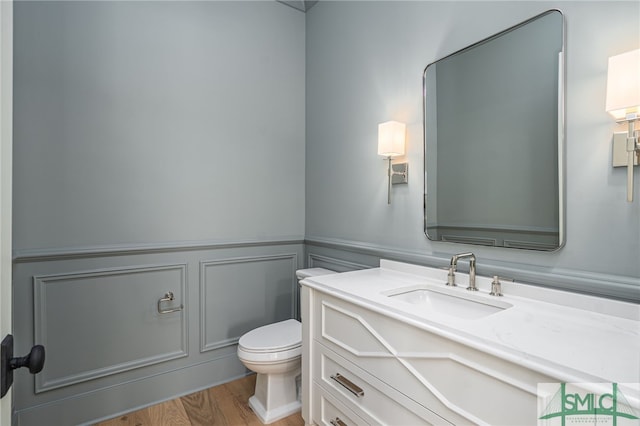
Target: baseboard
x: 102, y: 404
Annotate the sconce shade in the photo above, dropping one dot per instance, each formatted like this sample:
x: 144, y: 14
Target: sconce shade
x: 391, y: 137
x: 623, y: 85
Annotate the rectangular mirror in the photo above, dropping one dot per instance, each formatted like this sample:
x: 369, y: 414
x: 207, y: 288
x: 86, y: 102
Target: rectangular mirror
x: 494, y: 139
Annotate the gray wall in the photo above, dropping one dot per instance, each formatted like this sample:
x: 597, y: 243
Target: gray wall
x: 159, y: 146
x: 364, y: 66
x: 147, y: 123
x: 162, y: 146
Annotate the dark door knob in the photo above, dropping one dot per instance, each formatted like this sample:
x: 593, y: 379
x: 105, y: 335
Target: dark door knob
x: 34, y: 360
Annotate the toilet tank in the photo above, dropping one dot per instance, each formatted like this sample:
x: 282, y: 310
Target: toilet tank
x: 306, y: 273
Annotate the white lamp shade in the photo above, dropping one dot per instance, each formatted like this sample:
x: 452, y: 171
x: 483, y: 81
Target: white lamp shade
x: 391, y: 136
x: 623, y: 84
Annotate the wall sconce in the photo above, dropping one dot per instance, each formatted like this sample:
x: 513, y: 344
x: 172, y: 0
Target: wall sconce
x: 391, y: 138
x: 623, y: 103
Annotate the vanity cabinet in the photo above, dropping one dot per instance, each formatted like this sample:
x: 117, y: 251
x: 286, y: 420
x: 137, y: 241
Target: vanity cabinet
x: 400, y: 374
x: 394, y: 345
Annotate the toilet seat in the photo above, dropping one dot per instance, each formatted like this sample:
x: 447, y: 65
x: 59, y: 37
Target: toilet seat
x: 269, y: 357
x: 272, y: 342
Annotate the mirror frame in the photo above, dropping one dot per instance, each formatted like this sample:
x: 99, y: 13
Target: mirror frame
x: 561, y: 141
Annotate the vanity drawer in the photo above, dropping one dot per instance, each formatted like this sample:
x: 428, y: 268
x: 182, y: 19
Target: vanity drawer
x: 368, y: 397
x: 331, y: 412
x: 442, y: 375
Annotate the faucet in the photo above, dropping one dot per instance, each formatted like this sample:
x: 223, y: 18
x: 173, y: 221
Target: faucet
x: 453, y: 266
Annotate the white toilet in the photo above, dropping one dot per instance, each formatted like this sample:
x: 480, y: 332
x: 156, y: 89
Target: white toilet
x: 273, y: 351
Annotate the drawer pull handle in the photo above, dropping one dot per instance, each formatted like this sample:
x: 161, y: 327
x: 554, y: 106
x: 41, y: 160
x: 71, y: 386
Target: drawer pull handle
x: 348, y: 385
x: 337, y: 422
x: 168, y: 297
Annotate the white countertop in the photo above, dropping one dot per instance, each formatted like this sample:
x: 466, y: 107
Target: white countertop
x: 574, y: 338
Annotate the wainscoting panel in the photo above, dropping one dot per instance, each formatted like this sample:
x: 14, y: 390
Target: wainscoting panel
x: 247, y: 292
x: 109, y: 350
x: 91, y: 407
x: 111, y: 315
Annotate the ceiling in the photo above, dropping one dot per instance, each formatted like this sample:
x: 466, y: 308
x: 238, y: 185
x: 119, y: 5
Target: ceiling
x: 302, y: 5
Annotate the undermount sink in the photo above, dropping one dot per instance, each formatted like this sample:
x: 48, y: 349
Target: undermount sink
x: 453, y: 305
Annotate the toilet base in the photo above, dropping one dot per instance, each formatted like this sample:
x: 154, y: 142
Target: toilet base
x: 271, y: 416
x: 276, y: 396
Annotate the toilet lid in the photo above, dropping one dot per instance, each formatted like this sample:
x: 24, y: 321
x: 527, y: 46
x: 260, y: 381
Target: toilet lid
x: 280, y: 336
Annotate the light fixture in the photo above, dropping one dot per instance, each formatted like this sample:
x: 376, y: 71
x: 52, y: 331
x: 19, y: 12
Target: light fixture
x: 623, y: 103
x: 391, y: 138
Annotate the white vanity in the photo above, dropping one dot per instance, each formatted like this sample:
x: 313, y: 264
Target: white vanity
x: 395, y: 345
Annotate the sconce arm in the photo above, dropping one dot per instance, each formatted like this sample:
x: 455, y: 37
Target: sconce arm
x: 404, y: 170
x: 633, y: 149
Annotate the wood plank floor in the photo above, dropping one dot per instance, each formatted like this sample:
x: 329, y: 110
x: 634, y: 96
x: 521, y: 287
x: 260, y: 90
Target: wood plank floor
x: 221, y: 405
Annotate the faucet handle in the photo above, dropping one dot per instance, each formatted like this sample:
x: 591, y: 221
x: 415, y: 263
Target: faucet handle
x: 496, y: 288
x: 451, y: 276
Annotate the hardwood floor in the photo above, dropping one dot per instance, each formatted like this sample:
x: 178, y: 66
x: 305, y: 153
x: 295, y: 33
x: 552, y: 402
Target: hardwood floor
x: 221, y: 405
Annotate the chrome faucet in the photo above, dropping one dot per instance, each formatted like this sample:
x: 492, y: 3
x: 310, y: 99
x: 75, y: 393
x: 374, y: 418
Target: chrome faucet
x: 453, y: 267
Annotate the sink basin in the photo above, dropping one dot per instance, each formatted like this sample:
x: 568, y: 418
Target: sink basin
x: 448, y: 304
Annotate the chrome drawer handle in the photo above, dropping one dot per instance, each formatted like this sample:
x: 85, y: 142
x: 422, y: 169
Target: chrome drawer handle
x: 348, y: 385
x: 337, y: 422
x: 168, y: 297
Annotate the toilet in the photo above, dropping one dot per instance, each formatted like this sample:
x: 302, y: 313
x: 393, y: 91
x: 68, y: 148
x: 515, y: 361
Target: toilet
x: 274, y: 352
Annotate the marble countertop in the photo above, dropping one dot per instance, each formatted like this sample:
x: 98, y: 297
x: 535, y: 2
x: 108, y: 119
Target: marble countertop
x: 574, y: 338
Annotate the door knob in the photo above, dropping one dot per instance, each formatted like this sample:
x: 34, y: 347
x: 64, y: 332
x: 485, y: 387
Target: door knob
x: 34, y: 360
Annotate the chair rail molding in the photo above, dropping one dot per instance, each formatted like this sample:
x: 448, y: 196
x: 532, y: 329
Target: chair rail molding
x: 597, y: 284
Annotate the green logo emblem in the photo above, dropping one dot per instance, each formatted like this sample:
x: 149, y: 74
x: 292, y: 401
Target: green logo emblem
x: 588, y: 408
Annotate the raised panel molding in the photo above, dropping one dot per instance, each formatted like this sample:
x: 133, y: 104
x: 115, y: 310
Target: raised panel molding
x: 332, y: 263
x: 85, y: 380
x: 107, y: 296
x: 287, y: 278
